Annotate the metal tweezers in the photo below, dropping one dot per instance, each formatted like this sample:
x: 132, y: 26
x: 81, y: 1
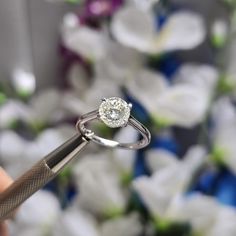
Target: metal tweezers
x: 40, y: 174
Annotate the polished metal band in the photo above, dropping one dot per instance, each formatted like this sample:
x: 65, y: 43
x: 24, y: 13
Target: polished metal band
x: 94, y: 115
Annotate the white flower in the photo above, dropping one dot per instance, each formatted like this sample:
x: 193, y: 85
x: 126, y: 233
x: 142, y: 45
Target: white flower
x: 74, y: 104
x: 195, y: 158
x: 145, y: 4
x: 26, y: 153
x: 159, y: 190
x: 136, y: 28
x: 46, y: 106
x: 24, y: 82
x: 223, y: 114
x: 224, y: 133
x: 99, y: 184
x: 12, y: 111
x: 86, y: 93
x: 170, y: 180
x: 219, y: 31
x: 205, y: 214
x: 184, y: 30
x: 12, y: 147
x: 202, y: 76
x: 119, y: 63
x: 124, y: 159
x: 101, y: 88
x: 79, y: 103
x: 146, y: 86
x: 79, y: 79
x: 50, y: 139
x: 231, y: 65
x: 125, y: 226
x: 40, y: 212
x: 160, y: 158
x: 225, y: 223
x: 75, y: 222
x: 84, y: 41
x: 199, y: 210
x: 184, y: 103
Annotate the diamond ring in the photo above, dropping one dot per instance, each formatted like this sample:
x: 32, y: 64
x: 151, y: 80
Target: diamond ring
x: 115, y: 113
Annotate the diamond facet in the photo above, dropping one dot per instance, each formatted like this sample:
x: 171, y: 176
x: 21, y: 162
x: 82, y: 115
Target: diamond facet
x: 114, y: 112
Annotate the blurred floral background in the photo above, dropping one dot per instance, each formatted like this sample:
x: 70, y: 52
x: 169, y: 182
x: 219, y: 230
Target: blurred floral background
x: 177, y: 65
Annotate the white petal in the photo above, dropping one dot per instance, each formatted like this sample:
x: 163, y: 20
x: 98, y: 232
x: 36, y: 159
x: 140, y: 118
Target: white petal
x: 224, y: 133
x: 124, y: 159
x: 75, y: 222
x: 195, y: 157
x: 120, y: 62
x: 160, y: 158
x: 220, y: 29
x: 50, y: 139
x: 24, y: 82
x: 144, y: 4
x: 146, y: 86
x: 225, y: 142
x: 27, y: 231
x: 182, y: 105
x: 85, y: 41
x: 12, y: 147
x: 11, y: 111
x: 158, y: 191
x: 126, y: 226
x: 199, y: 210
x: 46, y: 106
x: 133, y: 28
x: 70, y: 21
x: 203, y: 76
x: 183, y: 30
x: 231, y: 65
x: 40, y: 210
x: 224, y: 114
x: 78, y: 79
x: 96, y: 177
x: 72, y: 103
x: 101, y: 88
x: 156, y: 200
x: 225, y: 224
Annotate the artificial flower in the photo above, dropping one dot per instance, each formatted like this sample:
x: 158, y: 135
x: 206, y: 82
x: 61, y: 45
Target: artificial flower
x: 95, y: 176
x: 136, y: 28
x: 75, y: 222
x: 125, y: 226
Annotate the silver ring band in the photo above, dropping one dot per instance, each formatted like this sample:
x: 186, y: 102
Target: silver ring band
x: 94, y: 115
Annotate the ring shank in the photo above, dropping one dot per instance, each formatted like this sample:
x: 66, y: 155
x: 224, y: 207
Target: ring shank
x: 112, y: 143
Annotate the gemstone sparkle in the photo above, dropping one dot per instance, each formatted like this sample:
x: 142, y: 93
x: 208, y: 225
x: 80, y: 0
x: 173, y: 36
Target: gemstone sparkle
x: 114, y: 112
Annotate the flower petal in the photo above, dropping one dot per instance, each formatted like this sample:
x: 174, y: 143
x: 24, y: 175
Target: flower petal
x: 125, y: 226
x: 181, y: 105
x: 75, y: 222
x: 134, y: 28
x: 96, y: 177
x: 146, y: 86
x: 120, y: 62
x: 84, y: 41
x: 184, y: 30
x: 199, y: 210
x: 203, y: 76
x: 158, y: 159
x: 12, y: 111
